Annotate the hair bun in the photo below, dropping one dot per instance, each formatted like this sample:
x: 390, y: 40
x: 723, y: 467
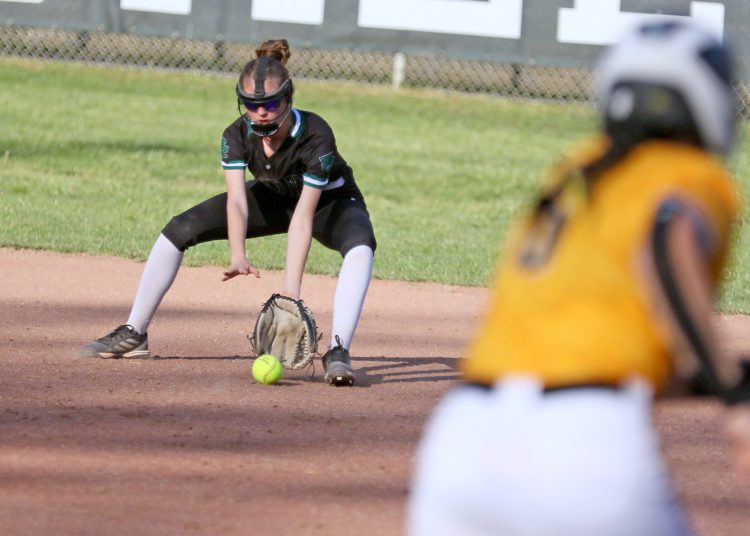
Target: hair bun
x: 277, y: 49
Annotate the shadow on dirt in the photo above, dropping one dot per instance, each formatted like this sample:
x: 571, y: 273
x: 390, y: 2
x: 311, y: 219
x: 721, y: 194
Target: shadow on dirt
x: 368, y: 371
x: 406, y: 370
x: 196, y: 357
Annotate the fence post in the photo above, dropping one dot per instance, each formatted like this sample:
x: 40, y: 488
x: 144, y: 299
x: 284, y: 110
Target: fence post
x: 220, y: 55
x: 399, y: 69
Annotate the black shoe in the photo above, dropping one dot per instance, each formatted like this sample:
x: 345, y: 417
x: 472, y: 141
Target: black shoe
x: 124, y: 341
x: 337, y: 365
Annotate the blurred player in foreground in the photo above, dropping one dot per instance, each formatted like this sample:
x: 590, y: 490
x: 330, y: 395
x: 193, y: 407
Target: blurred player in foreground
x: 604, y: 293
x: 302, y: 186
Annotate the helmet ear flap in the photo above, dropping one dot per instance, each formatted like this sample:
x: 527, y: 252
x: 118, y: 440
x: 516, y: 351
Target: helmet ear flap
x: 637, y: 111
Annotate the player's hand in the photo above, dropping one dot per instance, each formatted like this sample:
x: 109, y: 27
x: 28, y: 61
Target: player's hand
x: 240, y: 267
x: 738, y: 429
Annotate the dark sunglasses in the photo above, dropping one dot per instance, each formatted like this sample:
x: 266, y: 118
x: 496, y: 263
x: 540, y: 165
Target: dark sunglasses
x: 269, y: 105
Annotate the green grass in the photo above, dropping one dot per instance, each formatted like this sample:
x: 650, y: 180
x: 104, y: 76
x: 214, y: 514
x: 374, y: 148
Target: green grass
x: 97, y: 159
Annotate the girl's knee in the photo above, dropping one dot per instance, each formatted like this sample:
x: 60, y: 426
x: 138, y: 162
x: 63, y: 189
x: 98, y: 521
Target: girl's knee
x: 182, y: 230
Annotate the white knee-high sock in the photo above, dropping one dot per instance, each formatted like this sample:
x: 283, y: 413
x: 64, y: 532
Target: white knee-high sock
x: 158, y: 275
x: 354, y: 278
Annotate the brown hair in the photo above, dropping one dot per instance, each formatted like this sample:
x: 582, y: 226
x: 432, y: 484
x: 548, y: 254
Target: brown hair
x: 277, y: 50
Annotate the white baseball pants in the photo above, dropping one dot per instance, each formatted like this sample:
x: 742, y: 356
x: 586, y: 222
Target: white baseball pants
x: 514, y: 460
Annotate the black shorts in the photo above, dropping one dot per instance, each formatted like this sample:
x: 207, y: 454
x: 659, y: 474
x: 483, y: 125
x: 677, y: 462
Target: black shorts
x: 340, y: 222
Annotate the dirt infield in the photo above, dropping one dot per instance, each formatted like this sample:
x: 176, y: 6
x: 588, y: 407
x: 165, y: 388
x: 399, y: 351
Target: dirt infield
x: 188, y: 444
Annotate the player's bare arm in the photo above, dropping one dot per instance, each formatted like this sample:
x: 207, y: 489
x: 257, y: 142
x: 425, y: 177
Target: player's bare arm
x: 299, y: 239
x: 237, y: 225
x: 678, y: 256
x: 681, y: 251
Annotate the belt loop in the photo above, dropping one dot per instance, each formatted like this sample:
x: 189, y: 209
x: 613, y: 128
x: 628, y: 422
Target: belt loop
x: 518, y: 389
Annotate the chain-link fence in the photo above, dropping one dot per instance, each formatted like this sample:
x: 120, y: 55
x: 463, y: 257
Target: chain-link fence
x: 502, y: 79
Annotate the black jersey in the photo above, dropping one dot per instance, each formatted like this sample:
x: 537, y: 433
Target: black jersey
x: 307, y: 156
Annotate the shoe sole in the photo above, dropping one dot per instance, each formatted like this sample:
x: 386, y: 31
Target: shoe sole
x: 340, y: 378
x: 341, y: 381
x: 109, y: 355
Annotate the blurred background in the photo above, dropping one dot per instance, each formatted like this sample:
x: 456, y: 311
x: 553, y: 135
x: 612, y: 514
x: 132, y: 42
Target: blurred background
x: 540, y: 49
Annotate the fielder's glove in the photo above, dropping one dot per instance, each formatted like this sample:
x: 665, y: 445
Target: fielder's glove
x: 286, y: 329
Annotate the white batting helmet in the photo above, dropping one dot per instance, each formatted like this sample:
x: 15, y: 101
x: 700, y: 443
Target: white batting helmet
x: 669, y: 79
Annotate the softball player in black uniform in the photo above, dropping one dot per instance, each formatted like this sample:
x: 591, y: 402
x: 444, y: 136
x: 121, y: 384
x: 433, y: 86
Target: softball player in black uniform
x: 302, y: 186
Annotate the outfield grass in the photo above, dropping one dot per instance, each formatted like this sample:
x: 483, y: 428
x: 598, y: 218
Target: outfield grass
x: 97, y: 159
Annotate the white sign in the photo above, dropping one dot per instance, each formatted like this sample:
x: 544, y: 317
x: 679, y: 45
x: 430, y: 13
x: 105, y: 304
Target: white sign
x: 600, y: 22
x: 493, y: 18
x: 589, y: 22
x: 295, y: 11
x: 174, y: 7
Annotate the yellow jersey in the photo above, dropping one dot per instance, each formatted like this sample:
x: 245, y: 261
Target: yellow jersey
x: 570, y: 302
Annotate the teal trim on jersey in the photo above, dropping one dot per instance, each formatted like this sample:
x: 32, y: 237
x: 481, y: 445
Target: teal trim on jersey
x: 313, y: 181
x: 298, y: 126
x: 234, y: 164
